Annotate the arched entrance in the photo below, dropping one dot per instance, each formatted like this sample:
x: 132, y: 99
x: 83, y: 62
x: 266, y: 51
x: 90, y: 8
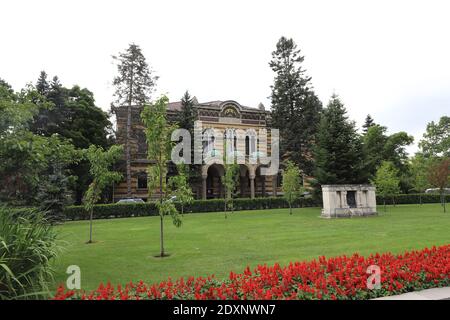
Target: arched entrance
x: 214, y: 188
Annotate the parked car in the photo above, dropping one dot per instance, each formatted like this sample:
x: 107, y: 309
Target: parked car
x: 436, y: 190
x: 131, y: 200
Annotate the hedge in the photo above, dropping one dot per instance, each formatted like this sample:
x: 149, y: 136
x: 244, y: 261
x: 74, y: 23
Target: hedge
x: 413, y: 198
x: 123, y: 210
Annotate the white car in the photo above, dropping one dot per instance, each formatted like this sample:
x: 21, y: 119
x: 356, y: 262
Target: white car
x: 131, y: 200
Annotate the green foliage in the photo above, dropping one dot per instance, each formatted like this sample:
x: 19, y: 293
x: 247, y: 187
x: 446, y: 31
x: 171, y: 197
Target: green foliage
x: 386, y: 180
x: 439, y: 176
x: 134, y: 82
x: 100, y: 163
x: 379, y: 147
x: 125, y: 210
x: 338, y: 151
x: 158, y: 132
x: 72, y: 114
x: 158, y: 135
x: 368, y: 123
x: 33, y: 168
x: 436, y: 139
x: 180, y: 188
x: 27, y: 248
x: 295, y: 107
x: 188, y: 114
x: 291, y: 186
x: 419, y: 169
x: 230, y: 177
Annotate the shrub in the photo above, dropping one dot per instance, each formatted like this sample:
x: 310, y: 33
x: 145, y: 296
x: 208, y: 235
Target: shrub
x: 27, y: 245
x: 123, y: 210
x: 343, y: 278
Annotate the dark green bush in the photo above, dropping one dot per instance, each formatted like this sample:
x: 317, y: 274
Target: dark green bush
x: 106, y: 211
x: 27, y: 246
x: 413, y: 198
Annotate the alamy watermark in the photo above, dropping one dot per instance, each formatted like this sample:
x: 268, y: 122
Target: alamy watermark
x: 213, y: 145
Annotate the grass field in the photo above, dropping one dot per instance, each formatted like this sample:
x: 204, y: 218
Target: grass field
x: 209, y: 244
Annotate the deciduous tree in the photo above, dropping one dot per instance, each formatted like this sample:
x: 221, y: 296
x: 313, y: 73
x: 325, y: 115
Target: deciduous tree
x: 102, y: 176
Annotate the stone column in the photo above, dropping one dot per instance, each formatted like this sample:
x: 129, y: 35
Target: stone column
x: 204, y: 187
x: 252, y: 186
x: 274, y: 185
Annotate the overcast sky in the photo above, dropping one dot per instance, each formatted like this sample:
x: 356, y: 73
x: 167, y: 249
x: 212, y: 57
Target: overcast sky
x: 386, y: 58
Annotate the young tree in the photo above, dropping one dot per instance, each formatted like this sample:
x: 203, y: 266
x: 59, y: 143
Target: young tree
x: 387, y: 181
x: 419, y: 171
x: 100, y: 162
x: 229, y: 181
x: 158, y: 132
x: 54, y: 192
x: 134, y: 85
x: 338, y: 151
x: 436, y: 139
x: 291, y: 186
x: 180, y: 188
x: 295, y: 107
x: 439, y: 176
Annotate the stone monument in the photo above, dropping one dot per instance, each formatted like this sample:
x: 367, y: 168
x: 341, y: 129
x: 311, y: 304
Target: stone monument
x: 347, y: 200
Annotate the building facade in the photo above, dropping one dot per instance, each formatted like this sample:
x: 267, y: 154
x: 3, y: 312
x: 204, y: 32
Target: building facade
x: 225, y: 117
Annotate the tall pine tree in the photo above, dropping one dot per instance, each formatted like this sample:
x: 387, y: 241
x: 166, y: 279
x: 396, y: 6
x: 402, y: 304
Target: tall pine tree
x: 295, y: 107
x: 338, y: 150
x: 368, y: 123
x: 134, y: 85
x: 188, y: 113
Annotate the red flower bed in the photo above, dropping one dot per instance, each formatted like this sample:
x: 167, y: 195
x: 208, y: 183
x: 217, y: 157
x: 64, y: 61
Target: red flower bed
x: 341, y: 277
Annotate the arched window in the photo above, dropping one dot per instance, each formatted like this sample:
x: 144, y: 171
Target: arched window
x: 230, y: 136
x: 208, y: 141
x: 142, y: 180
x: 250, y: 143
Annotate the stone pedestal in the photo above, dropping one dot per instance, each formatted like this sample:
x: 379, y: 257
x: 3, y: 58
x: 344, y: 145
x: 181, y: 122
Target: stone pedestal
x: 348, y: 200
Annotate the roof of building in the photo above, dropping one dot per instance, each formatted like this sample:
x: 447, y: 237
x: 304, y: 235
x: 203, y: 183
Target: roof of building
x: 216, y: 104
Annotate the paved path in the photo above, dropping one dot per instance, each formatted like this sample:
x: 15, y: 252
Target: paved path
x: 428, y: 294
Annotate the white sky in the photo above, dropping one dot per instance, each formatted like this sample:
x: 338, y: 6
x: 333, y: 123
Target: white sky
x: 386, y: 58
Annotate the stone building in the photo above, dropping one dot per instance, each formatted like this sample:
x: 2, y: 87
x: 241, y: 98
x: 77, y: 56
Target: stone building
x: 225, y: 116
x: 348, y: 200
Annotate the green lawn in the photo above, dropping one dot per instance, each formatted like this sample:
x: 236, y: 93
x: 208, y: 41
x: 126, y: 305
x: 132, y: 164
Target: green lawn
x: 209, y: 244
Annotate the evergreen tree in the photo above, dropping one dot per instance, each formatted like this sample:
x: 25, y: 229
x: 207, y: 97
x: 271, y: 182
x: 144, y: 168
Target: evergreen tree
x: 188, y: 114
x: 295, y: 107
x: 42, y: 86
x: 72, y: 114
x: 368, y: 123
x: 134, y: 85
x: 338, y: 151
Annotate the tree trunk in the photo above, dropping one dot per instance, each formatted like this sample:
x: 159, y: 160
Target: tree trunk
x: 128, y: 137
x: 393, y: 201
x: 161, y: 239
x: 384, y: 202
x: 290, y: 208
x: 420, y: 199
x: 90, y: 225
